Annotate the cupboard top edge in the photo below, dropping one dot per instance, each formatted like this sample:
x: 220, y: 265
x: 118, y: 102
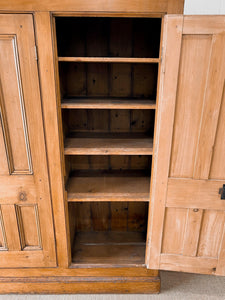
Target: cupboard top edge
x: 122, y: 6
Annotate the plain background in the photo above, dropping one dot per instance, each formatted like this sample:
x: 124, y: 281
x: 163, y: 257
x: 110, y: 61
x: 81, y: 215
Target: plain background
x: 204, y: 7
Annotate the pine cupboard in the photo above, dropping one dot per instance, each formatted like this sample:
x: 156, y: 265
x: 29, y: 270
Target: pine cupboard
x: 111, y: 145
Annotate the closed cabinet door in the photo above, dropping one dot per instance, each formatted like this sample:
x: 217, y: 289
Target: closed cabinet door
x: 26, y: 225
x: 187, y: 229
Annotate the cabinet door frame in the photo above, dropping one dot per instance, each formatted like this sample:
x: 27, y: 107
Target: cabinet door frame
x: 174, y: 29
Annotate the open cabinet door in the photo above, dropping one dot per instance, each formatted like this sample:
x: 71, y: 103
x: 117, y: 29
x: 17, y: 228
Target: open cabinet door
x: 187, y: 210
x: 26, y: 224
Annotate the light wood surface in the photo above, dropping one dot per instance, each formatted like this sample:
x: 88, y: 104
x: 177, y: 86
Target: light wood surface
x: 195, y: 53
x: 188, y: 264
x: 50, y: 115
x: 172, y: 34
x: 194, y: 210
x: 109, y: 59
x: 24, y: 147
x: 108, y: 188
x: 109, y: 248
x: 152, y: 6
x: 198, y: 194
x: 95, y: 103
x: 108, y: 146
x: 119, y: 285
x: 214, y: 90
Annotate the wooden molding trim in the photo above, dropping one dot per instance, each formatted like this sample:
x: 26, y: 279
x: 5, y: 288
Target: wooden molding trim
x: 124, y: 6
x: 81, y: 285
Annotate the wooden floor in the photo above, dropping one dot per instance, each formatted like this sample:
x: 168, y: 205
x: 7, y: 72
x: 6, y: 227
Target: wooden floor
x: 109, y: 248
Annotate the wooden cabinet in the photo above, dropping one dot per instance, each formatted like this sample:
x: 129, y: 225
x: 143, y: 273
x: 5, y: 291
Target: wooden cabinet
x: 190, y: 211
x: 112, y: 125
x: 26, y: 226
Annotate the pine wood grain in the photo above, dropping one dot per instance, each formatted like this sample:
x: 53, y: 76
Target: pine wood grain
x: 210, y: 113
x: 114, y: 146
x: 172, y: 35
x: 198, y: 194
x: 109, y: 248
x: 22, y: 96
x: 193, y: 229
x: 96, y: 103
x: 192, y: 80
x: 124, y: 6
x: 53, y: 139
x: 108, y: 188
x: 109, y: 59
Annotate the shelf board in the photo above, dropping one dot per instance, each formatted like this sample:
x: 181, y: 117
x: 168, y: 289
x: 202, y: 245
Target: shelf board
x: 109, y: 248
x: 109, y: 59
x: 109, y: 144
x: 96, y: 103
x: 108, y: 187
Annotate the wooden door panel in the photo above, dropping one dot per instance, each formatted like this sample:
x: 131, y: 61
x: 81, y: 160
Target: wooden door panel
x: 26, y: 225
x: 3, y: 245
x: 192, y: 236
x: 4, y: 170
x: 11, y: 228
x: 13, y: 111
x: 217, y: 170
x: 189, y: 193
x: 182, y: 234
x: 29, y: 226
x: 194, y: 63
x: 211, y: 233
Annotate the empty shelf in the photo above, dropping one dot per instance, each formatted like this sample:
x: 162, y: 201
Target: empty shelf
x: 108, y: 187
x: 104, y: 248
x: 109, y: 59
x: 95, y: 103
x: 108, y: 146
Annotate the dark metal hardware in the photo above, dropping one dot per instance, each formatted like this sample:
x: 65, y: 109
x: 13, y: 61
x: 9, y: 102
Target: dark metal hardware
x: 22, y: 196
x: 222, y: 192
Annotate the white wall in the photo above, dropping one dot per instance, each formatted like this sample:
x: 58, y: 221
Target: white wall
x: 204, y: 7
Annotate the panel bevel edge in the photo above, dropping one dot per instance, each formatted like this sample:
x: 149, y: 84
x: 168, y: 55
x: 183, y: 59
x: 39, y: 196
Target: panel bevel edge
x: 3, y: 117
x: 2, y: 228
x: 21, y: 227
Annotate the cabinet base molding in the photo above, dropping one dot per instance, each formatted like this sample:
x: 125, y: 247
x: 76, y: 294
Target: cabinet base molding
x: 63, y: 282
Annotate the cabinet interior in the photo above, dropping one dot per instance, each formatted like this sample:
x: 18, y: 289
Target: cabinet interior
x: 108, y: 78
x: 111, y: 233
x: 108, y: 37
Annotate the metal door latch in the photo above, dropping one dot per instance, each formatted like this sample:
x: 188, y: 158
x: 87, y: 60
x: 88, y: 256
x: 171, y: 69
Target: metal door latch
x: 222, y: 192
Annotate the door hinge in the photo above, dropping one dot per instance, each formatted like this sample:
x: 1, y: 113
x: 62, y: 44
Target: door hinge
x: 35, y: 52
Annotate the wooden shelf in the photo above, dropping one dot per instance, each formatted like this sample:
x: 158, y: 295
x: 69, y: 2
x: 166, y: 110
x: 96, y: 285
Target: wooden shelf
x: 109, y: 59
x: 96, y: 186
x: 109, y: 248
x: 96, y: 103
x: 109, y: 144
